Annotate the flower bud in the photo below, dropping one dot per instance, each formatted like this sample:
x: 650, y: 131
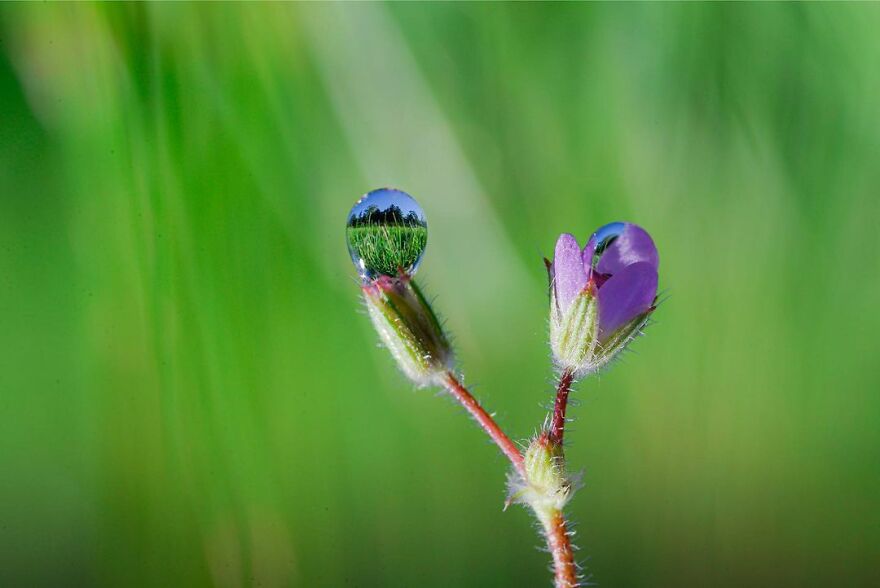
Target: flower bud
x: 601, y: 296
x: 546, y: 485
x: 408, y: 327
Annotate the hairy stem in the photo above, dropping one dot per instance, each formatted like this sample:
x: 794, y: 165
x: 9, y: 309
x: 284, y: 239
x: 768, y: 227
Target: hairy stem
x: 557, y: 425
x: 507, y: 447
x: 559, y: 543
x: 552, y: 519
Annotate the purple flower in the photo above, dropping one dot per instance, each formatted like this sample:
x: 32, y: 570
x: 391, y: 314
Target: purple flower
x: 601, y: 295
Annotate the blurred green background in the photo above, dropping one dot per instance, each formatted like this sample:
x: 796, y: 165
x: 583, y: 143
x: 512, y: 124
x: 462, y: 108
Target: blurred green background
x: 191, y: 394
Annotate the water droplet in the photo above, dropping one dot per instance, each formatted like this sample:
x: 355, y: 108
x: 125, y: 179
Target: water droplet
x: 386, y: 233
x: 603, y: 238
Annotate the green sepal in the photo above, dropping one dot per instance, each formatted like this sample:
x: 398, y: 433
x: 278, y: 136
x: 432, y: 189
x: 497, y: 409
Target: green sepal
x: 408, y: 327
x: 573, y: 334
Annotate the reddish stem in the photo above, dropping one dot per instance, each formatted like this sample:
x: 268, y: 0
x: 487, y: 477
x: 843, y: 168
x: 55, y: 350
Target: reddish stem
x: 488, y: 424
x: 564, y: 567
x: 557, y: 425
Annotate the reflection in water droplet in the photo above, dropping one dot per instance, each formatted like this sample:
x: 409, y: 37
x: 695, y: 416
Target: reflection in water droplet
x: 604, y: 237
x: 386, y: 233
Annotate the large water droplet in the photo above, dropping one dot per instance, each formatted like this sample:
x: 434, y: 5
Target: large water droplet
x: 603, y: 238
x: 386, y: 233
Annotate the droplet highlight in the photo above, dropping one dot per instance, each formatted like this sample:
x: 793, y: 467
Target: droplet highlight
x: 387, y: 233
x: 603, y: 238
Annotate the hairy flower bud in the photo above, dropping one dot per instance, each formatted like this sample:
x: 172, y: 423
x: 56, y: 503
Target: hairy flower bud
x: 546, y: 486
x: 601, y: 296
x: 408, y: 327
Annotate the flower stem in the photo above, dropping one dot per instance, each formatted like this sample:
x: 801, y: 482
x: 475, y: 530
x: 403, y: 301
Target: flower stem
x: 557, y: 425
x: 564, y: 567
x: 507, y: 447
x: 555, y: 527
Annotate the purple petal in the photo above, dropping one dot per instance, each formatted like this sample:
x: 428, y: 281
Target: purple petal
x: 629, y: 293
x: 633, y: 245
x: 569, y: 277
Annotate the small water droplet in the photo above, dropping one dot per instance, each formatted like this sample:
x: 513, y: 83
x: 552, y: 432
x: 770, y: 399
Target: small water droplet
x: 604, y: 237
x: 386, y: 233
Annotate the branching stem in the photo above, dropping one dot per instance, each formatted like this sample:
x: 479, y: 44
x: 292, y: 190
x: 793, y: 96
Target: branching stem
x: 552, y: 520
x: 507, y: 447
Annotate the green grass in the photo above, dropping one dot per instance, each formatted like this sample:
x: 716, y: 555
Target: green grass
x: 384, y: 249
x: 189, y: 395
